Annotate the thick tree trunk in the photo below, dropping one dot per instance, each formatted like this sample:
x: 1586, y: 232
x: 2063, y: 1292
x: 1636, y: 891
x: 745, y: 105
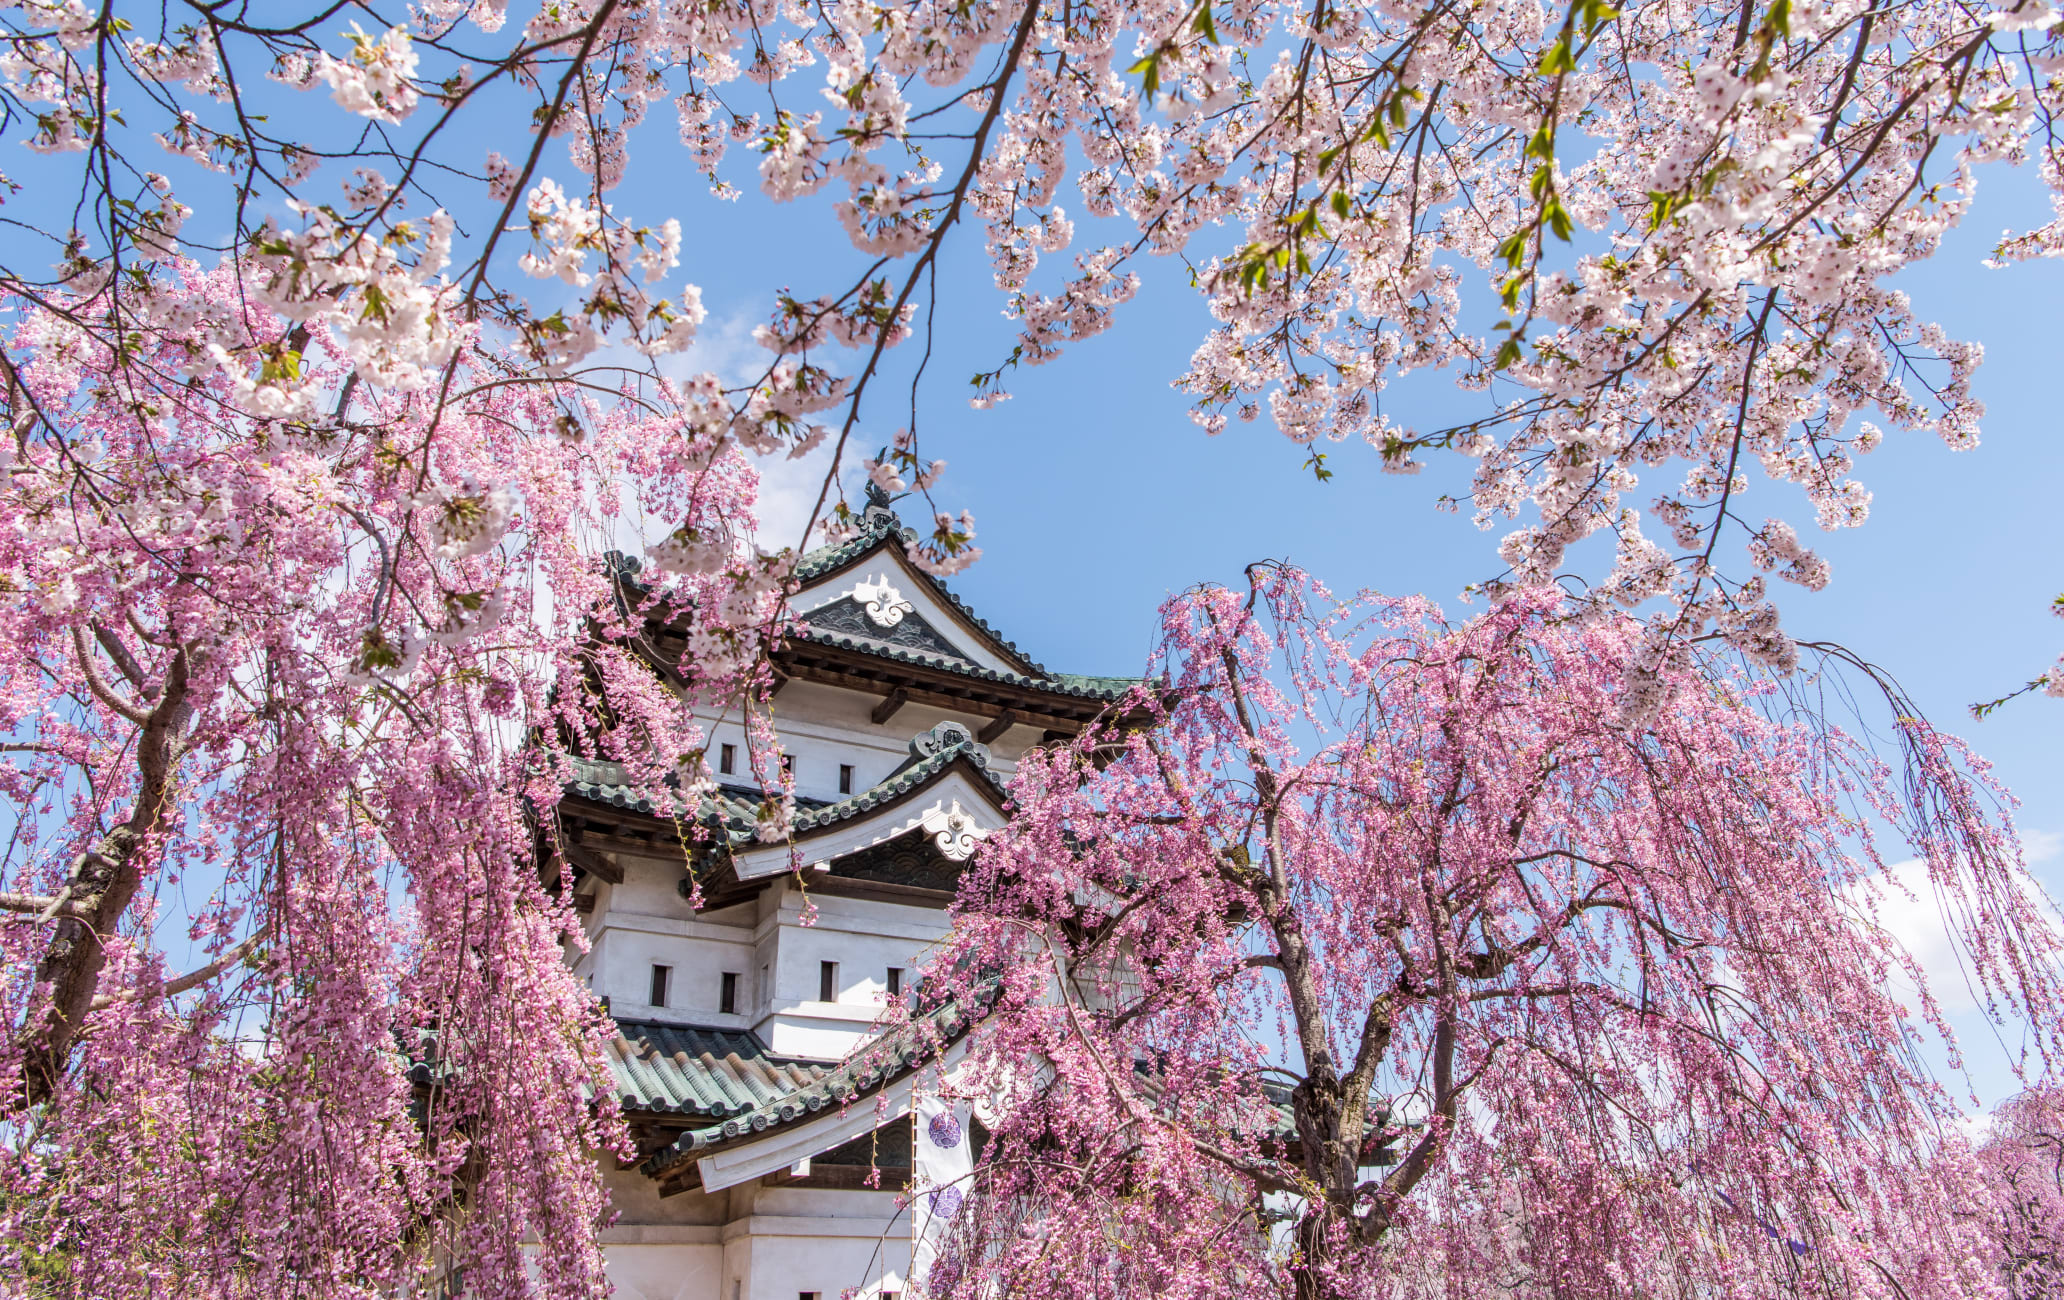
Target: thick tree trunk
x: 103, y: 885
x: 1315, y: 1255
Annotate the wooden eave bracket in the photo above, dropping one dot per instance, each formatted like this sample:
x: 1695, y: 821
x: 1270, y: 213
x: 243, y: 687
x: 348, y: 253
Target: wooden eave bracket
x: 1003, y: 722
x: 593, y: 863
x: 891, y: 702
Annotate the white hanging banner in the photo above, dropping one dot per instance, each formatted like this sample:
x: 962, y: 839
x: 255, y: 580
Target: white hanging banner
x: 941, y: 1159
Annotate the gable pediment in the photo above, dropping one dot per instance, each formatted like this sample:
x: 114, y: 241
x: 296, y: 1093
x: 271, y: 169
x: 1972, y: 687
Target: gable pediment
x: 884, y: 621
x: 955, y: 809
x: 911, y: 859
x: 875, y: 573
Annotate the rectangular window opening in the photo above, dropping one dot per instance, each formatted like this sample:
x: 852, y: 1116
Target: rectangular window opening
x: 661, y: 977
x: 895, y: 981
x: 827, y: 981
x: 727, y: 997
x: 788, y: 765
x: 845, y: 778
x: 806, y: 1295
x: 727, y: 759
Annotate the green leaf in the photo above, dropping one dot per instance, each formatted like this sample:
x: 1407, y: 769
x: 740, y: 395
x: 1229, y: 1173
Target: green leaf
x: 1340, y: 204
x: 1204, y: 26
x: 1663, y: 204
x: 1507, y: 354
x: 1149, y: 69
x: 1557, y: 59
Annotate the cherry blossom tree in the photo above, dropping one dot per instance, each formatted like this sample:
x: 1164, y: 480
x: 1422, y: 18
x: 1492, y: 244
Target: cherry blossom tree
x: 2023, y: 1159
x: 330, y: 378
x: 1379, y: 962
x: 289, y: 663
x: 1656, y: 238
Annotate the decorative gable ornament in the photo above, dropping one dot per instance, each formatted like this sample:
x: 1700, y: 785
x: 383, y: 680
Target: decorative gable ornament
x: 884, y: 604
x: 945, y: 736
x: 956, y: 833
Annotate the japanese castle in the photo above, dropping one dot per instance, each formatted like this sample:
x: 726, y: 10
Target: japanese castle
x: 900, y: 714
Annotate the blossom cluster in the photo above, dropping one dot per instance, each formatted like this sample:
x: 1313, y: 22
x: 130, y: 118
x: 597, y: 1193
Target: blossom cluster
x: 297, y: 627
x: 344, y: 495
x: 1365, y: 956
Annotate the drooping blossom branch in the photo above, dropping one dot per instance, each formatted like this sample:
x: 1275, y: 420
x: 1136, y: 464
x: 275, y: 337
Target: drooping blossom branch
x: 295, y: 679
x: 1380, y: 962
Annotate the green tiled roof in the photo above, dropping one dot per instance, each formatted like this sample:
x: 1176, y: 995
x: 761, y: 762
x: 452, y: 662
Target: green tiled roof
x: 1087, y: 688
x: 869, y: 1069
x: 708, y: 1073
x: 879, y: 525
x: 737, y: 813
x: 1106, y: 686
x: 591, y: 780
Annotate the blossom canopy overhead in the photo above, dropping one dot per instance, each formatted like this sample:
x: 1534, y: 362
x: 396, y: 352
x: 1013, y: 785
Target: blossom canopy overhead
x: 1656, y: 237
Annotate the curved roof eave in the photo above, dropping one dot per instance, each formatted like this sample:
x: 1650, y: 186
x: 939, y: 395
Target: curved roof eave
x: 873, y: 1067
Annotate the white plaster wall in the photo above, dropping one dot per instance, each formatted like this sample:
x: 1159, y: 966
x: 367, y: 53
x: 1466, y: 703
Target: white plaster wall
x: 769, y: 1243
x: 645, y: 921
x: 812, y: 1239
x: 824, y: 726
x: 630, y: 945
x: 865, y: 937
x: 662, y: 1266
x: 653, y: 886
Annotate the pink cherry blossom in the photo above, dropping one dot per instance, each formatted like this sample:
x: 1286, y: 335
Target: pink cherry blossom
x: 287, y: 1001
x: 1370, y: 957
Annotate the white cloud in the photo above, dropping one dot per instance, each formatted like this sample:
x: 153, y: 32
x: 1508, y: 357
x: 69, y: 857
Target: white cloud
x: 789, y: 489
x: 1908, y: 912
x: 1907, y: 909
x: 1976, y: 1127
x: 724, y: 348
x: 2042, y: 846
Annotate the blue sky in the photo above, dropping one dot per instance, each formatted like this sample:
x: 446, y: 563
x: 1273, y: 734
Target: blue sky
x: 1095, y: 497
